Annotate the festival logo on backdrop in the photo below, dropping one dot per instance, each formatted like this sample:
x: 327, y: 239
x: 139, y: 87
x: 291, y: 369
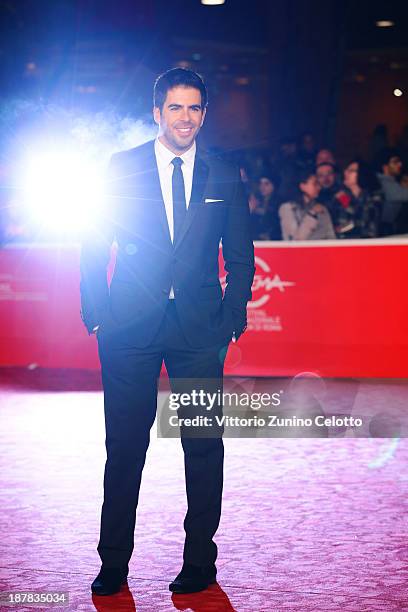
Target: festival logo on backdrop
x: 265, y: 284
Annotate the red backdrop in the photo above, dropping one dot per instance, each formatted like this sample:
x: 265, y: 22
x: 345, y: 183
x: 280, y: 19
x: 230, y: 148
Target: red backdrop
x: 335, y: 308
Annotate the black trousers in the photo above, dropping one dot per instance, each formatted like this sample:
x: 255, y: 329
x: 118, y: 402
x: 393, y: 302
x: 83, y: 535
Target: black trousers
x: 130, y: 379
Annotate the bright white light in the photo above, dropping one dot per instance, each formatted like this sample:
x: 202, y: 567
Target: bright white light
x: 62, y: 190
x: 212, y: 2
x: 384, y: 23
x: 398, y: 92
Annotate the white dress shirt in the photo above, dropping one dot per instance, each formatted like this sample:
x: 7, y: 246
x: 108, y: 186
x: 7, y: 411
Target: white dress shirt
x: 164, y: 158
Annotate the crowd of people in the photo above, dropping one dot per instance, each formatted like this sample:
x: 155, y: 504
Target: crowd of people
x: 303, y: 194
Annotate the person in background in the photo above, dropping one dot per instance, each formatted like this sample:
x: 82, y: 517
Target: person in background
x: 287, y: 148
x: 326, y: 174
x: 394, y: 218
x: 356, y: 211
x: 325, y: 156
x: 286, y: 164
x: 245, y: 178
x: 304, y: 218
x: 265, y: 222
x: 244, y: 173
x: 306, y: 151
x: 404, y: 179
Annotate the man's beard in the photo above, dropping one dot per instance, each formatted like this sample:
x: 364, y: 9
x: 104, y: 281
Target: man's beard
x: 178, y: 143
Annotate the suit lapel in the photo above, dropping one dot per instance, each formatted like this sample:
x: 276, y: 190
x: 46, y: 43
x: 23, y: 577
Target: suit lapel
x: 152, y: 181
x: 200, y: 177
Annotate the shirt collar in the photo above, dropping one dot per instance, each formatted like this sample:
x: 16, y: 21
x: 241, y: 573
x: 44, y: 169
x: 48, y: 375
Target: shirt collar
x: 164, y: 156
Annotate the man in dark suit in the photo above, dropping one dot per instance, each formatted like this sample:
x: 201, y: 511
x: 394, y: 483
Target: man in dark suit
x: 168, y: 206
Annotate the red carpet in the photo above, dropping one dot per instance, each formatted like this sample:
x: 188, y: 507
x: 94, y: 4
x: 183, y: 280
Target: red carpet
x: 308, y: 524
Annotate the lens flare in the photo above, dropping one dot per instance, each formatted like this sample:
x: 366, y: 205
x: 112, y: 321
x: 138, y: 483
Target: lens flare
x: 62, y: 190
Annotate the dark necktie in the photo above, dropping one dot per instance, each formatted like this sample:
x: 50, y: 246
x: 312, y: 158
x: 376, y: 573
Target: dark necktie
x: 179, y: 197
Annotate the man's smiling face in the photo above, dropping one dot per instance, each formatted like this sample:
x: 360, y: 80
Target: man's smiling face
x: 180, y: 119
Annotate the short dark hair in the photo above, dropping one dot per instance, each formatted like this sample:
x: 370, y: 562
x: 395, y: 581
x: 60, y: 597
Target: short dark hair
x: 303, y: 175
x: 385, y: 156
x: 353, y: 160
x: 292, y: 191
x: 178, y: 77
x: 273, y: 177
x: 332, y: 166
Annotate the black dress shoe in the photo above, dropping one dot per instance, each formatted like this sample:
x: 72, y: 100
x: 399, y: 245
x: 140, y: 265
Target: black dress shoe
x: 192, y: 579
x: 109, y: 580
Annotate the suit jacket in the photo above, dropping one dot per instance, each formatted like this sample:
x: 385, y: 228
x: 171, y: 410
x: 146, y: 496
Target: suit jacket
x: 148, y: 264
